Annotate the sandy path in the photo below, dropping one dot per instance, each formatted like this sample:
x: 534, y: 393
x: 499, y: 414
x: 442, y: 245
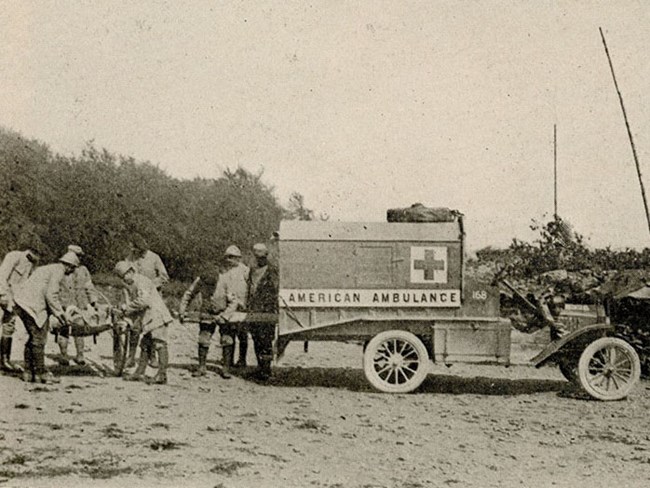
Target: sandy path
x: 319, y: 424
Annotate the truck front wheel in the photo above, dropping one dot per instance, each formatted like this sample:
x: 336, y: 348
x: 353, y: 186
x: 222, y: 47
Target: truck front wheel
x: 395, y: 361
x: 609, y: 368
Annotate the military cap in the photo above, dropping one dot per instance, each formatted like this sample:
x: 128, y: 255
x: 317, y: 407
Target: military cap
x: 123, y: 267
x: 260, y: 248
x: 75, y: 249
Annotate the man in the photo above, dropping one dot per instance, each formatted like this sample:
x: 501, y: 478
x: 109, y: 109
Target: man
x: 36, y: 299
x: 230, y: 296
x: 146, y: 307
x: 16, y: 267
x: 200, y: 292
x: 77, y: 290
x: 263, y: 298
x: 148, y: 264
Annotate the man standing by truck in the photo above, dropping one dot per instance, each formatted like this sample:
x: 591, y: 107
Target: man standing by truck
x: 16, y: 268
x: 263, y: 298
x: 230, y: 295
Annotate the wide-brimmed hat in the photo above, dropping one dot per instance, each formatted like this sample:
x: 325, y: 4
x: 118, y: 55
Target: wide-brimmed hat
x: 70, y: 258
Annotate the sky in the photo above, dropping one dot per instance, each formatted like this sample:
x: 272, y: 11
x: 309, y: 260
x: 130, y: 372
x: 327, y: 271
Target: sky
x: 358, y: 105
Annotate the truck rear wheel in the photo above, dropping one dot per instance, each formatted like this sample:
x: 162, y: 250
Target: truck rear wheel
x: 609, y: 368
x: 395, y: 361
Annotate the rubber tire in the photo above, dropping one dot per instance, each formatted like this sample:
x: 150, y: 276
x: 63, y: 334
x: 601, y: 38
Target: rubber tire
x: 586, y: 378
x: 414, y: 346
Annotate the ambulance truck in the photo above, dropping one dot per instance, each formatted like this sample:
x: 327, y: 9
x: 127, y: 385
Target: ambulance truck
x: 400, y: 289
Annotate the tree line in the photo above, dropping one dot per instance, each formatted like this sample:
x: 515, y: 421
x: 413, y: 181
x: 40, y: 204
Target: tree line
x: 558, y: 246
x: 99, y: 199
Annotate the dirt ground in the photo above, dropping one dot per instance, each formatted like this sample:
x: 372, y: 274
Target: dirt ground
x: 317, y: 424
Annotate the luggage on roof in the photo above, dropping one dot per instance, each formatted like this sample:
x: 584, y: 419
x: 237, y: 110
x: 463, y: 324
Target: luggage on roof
x: 419, y: 213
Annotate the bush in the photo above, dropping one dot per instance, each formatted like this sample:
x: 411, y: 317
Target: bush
x: 98, y: 200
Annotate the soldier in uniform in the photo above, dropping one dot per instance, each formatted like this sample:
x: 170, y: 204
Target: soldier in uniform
x: 36, y: 299
x: 263, y: 298
x: 199, y: 294
x: 148, y: 264
x: 77, y: 290
x: 147, y: 308
x: 230, y: 296
x: 16, y: 267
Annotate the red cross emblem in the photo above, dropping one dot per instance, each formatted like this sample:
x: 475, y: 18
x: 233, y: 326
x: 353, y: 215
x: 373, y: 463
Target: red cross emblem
x: 429, y: 264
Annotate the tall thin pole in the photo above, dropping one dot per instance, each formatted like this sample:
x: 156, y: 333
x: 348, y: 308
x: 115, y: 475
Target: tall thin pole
x: 629, y: 132
x: 555, y: 170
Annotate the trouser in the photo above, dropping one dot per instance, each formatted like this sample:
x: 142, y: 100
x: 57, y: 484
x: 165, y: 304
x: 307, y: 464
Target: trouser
x: 206, y: 331
x: 8, y: 325
x: 35, y: 345
x: 263, y: 336
x: 134, y: 337
x: 227, y: 333
x: 149, y: 344
x: 241, y: 332
x: 8, y: 320
x: 132, y: 341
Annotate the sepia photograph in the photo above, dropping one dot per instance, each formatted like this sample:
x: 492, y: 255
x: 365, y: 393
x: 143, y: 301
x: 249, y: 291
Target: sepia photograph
x: 335, y: 244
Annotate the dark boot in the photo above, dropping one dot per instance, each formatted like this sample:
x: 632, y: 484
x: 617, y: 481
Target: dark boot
x: 5, y: 355
x: 203, y: 358
x: 10, y: 341
x: 227, y: 353
x: 163, y: 363
x: 263, y: 372
x: 63, y: 359
x: 243, y: 351
x: 41, y: 375
x: 28, y: 374
x: 133, y: 347
x: 79, y: 346
x: 138, y: 374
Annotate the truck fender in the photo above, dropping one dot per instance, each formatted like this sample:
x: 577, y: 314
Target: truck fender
x: 567, y: 341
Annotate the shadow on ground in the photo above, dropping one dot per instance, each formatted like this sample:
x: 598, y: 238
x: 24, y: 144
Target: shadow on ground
x: 481, y: 385
x: 355, y: 380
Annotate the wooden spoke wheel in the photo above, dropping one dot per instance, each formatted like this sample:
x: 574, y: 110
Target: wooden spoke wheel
x: 609, y: 368
x: 395, y: 361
